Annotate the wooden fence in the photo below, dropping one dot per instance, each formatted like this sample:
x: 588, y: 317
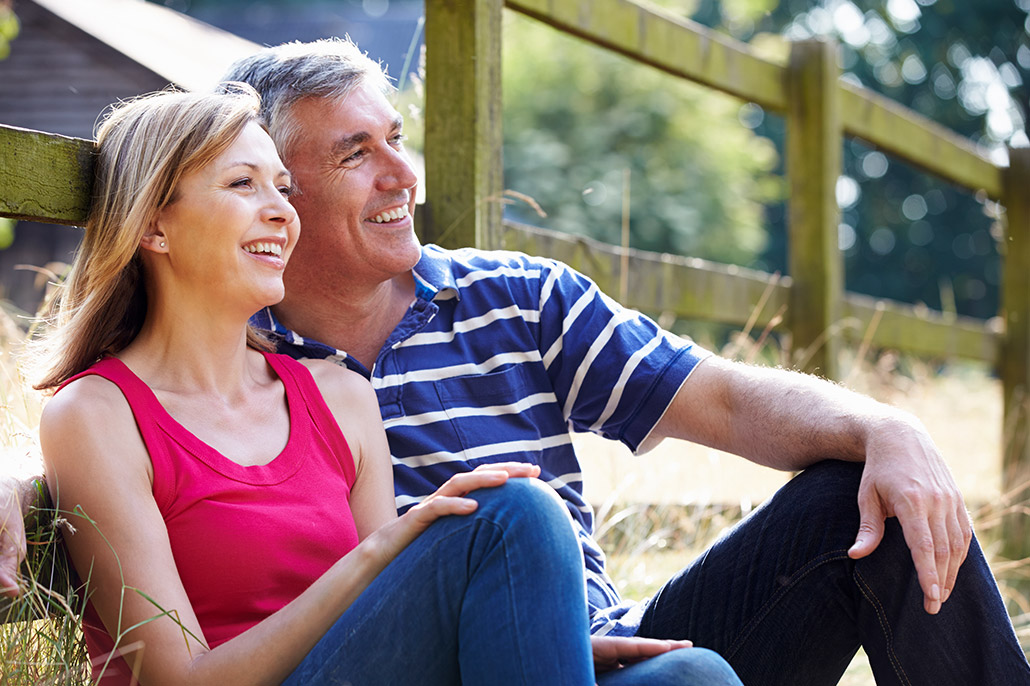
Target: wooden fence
x: 464, y: 184
x: 46, y: 177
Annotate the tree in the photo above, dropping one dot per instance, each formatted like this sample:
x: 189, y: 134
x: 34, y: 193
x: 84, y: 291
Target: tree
x: 907, y: 235
x: 9, y: 27
x: 576, y: 117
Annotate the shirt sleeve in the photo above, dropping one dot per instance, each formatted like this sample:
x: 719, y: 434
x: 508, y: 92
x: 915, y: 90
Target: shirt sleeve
x: 614, y: 370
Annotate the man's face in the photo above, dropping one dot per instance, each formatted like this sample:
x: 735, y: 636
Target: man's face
x: 356, y: 195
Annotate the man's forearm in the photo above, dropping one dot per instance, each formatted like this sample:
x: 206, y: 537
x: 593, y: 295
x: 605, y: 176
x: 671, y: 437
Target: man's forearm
x: 21, y: 490
x: 17, y: 497
x: 785, y: 420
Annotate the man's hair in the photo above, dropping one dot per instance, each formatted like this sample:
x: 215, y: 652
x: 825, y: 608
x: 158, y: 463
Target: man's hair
x: 144, y: 148
x: 285, y: 74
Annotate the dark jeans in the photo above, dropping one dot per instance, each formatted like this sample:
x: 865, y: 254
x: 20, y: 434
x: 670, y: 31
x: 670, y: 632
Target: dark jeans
x: 779, y: 598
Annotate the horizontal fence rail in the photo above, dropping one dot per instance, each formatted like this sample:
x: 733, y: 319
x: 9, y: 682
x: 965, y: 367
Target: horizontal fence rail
x: 692, y: 288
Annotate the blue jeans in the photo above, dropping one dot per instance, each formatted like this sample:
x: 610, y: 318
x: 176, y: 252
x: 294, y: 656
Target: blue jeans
x: 779, y: 598
x: 496, y: 597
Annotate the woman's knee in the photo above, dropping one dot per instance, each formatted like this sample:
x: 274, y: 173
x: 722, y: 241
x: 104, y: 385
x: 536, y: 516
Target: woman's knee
x: 697, y: 667
x: 521, y: 498
x: 683, y: 667
x: 529, y: 509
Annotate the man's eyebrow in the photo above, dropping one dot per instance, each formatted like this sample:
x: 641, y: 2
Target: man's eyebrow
x: 348, y: 143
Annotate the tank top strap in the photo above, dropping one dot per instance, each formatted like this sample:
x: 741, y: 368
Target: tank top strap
x: 301, y: 385
x: 142, y: 401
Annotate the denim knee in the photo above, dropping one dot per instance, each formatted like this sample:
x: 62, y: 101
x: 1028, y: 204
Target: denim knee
x: 523, y: 499
x: 684, y: 667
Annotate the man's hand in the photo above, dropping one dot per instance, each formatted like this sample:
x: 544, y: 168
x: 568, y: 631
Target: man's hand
x: 12, y: 537
x: 906, y: 477
x: 613, y: 652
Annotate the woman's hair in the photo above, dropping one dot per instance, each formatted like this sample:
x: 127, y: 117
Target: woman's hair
x: 144, y: 147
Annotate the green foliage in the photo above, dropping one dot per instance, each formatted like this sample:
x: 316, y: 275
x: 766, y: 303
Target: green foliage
x: 906, y: 235
x: 6, y: 232
x: 576, y: 117
x: 9, y: 28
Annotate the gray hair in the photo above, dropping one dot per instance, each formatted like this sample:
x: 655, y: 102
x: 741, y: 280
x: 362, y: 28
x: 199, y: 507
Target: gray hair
x: 285, y: 74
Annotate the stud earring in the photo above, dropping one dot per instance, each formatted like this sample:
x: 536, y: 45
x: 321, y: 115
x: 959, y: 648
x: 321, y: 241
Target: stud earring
x: 162, y: 244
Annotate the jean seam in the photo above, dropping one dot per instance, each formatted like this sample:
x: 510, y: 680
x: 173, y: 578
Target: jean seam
x: 809, y: 567
x: 881, y: 617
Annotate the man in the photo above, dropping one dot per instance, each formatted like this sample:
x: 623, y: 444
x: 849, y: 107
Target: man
x: 478, y: 357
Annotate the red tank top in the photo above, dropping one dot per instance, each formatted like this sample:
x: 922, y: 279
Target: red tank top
x: 246, y: 540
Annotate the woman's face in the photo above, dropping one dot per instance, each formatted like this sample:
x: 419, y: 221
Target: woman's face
x: 230, y: 230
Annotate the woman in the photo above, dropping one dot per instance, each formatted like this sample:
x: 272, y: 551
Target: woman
x: 238, y: 523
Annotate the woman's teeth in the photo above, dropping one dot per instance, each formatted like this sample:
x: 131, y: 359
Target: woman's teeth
x: 264, y: 248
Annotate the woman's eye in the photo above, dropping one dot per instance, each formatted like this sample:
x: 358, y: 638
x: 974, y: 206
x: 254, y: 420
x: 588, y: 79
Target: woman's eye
x: 287, y: 191
x: 242, y: 183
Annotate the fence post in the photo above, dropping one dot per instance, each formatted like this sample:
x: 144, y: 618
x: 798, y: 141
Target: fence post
x: 1014, y: 360
x: 815, y: 139
x: 463, y: 123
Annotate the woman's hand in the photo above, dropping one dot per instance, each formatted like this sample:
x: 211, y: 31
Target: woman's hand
x: 615, y: 652
x: 389, y: 540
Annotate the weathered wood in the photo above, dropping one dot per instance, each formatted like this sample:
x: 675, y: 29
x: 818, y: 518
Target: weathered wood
x: 687, y: 287
x: 463, y: 122
x: 670, y: 43
x: 814, y: 149
x: 691, y: 288
x: 919, y: 330
x: 1014, y: 365
x: 923, y: 142
x: 44, y: 177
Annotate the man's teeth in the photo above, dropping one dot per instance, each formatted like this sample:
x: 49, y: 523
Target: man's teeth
x: 391, y: 215
x: 264, y: 248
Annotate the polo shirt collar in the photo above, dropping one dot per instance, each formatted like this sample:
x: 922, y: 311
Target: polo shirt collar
x: 433, y: 273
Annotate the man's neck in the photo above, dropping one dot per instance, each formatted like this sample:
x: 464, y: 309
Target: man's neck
x: 359, y: 324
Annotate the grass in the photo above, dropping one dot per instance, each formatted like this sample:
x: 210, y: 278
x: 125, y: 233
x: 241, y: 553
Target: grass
x: 655, y: 512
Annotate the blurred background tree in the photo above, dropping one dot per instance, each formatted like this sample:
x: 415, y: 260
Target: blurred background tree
x: 705, y: 169
x: 8, y: 31
x: 576, y: 118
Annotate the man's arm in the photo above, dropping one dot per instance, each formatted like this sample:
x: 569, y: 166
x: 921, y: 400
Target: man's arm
x: 16, y: 497
x: 789, y: 421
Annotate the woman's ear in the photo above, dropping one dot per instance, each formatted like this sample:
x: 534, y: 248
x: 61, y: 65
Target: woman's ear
x: 154, y: 239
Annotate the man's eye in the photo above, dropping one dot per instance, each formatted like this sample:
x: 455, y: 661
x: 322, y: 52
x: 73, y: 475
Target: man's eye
x: 354, y: 156
x: 399, y: 139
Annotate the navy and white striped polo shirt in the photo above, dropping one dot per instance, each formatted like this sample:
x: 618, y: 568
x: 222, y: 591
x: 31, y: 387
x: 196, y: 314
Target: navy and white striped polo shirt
x: 501, y: 356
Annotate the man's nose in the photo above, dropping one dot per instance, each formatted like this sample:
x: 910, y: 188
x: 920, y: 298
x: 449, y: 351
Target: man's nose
x: 398, y: 172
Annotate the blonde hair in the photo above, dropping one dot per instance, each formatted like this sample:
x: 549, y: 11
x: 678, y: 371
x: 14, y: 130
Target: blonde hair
x: 144, y: 147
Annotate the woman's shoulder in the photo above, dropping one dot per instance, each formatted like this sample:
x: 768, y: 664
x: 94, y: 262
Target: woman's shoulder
x: 86, y: 405
x: 334, y: 378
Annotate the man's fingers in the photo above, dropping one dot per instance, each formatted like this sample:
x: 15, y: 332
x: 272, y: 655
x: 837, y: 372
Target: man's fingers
x: 920, y: 542
x: 960, y: 533
x: 870, y: 528
x: 11, y: 556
